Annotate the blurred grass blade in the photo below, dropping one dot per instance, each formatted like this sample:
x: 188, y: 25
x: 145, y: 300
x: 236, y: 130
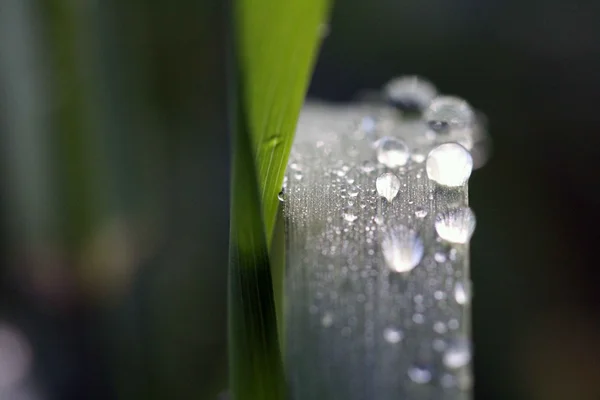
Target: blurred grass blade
x: 275, y: 44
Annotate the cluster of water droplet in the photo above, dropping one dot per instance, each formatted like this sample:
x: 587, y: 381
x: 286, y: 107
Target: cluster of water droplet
x: 378, y: 228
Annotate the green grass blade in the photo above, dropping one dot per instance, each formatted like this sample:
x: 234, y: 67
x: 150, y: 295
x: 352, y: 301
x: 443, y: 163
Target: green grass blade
x: 275, y: 43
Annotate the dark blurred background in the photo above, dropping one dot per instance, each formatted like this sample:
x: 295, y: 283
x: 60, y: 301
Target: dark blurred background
x: 115, y: 182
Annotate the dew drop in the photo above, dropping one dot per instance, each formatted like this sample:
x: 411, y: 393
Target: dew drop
x: 281, y: 195
x: 419, y: 374
x: 392, y: 335
x: 418, y: 157
x: 353, y: 191
x: 440, y: 327
x: 410, y: 93
x: 378, y: 219
x: 327, y: 320
x: 455, y: 226
x: 439, y: 257
x: 420, y: 212
x: 388, y: 186
x: 392, y: 152
x: 462, y: 293
x: 458, y: 354
x: 448, y: 112
x: 298, y: 176
x: 350, y: 217
x: 449, y: 164
x: 402, y: 249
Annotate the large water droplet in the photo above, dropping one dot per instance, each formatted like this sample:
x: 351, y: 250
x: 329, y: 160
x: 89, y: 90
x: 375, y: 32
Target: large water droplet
x: 456, y: 225
x: 449, y: 164
x: 458, y: 354
x: 402, y: 249
x: 462, y: 293
x: 392, y: 335
x: 392, y: 152
x: 410, y: 93
x: 447, y: 112
x: 419, y: 374
x: 387, y: 186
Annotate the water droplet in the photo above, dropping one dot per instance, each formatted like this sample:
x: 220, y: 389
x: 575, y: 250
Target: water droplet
x: 453, y: 324
x: 388, y: 186
x: 458, y: 354
x: 392, y: 152
x: 327, y: 320
x: 420, y: 212
x: 449, y: 164
x: 298, y: 176
x: 440, y: 327
x: 392, y: 335
x: 378, y: 219
x: 439, y: 257
x: 455, y: 226
x: 439, y: 295
x: 418, y: 318
x: 419, y: 374
x: 281, y: 195
x: 350, y: 217
x: 438, y: 344
x: 402, y: 249
x: 417, y: 157
x: 410, y: 93
x: 368, y: 167
x: 462, y: 293
x: 352, y: 191
x: 447, y: 112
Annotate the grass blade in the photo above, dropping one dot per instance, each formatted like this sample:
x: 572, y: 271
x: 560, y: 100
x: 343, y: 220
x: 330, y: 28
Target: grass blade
x: 275, y: 44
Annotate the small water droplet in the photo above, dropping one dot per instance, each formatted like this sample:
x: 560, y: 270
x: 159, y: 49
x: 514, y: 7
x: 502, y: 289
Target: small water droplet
x: 439, y: 295
x: 410, y: 93
x: 438, y: 344
x: 353, y: 191
x: 458, y: 354
x: 449, y: 164
x: 448, y: 112
x: 348, y: 216
x: 455, y: 226
x: 392, y: 152
x: 420, y: 212
x: 439, y: 257
x: 402, y: 249
x: 327, y: 320
x: 418, y: 157
x: 281, y: 195
x: 440, y: 327
x: 388, y: 186
x: 378, y: 219
x: 462, y: 293
x: 298, y: 176
x: 418, y: 318
x: 453, y: 324
x: 368, y: 167
x: 418, y: 374
x: 392, y: 335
